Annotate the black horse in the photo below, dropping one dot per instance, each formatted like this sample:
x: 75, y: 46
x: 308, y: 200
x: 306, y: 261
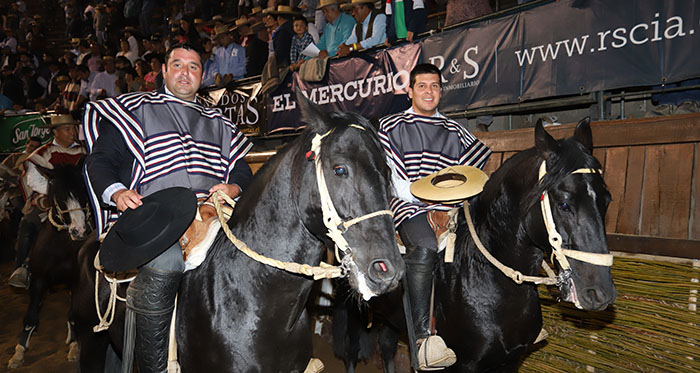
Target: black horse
x: 484, y: 316
x: 53, y: 256
x: 236, y: 314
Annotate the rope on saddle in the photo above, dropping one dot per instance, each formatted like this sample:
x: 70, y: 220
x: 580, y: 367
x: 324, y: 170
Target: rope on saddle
x: 107, y: 317
x: 319, y: 272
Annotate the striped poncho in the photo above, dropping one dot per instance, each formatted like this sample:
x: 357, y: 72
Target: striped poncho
x: 173, y: 143
x: 418, y: 146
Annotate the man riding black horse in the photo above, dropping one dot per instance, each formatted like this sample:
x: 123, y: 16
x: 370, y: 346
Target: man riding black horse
x: 64, y: 149
x: 143, y: 143
x: 418, y: 142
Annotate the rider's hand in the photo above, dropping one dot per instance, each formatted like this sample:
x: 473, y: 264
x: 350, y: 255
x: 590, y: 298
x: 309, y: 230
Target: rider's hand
x: 231, y: 190
x: 127, y: 199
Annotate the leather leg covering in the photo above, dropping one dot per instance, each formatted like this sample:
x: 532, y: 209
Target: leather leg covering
x: 419, y: 281
x: 432, y: 354
x: 25, y: 238
x: 151, y: 297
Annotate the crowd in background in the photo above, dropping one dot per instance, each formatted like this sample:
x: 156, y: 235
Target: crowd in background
x: 117, y: 46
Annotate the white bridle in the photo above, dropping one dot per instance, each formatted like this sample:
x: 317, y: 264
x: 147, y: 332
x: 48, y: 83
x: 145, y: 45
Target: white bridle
x: 335, y: 225
x: 554, y: 240
x: 554, y: 236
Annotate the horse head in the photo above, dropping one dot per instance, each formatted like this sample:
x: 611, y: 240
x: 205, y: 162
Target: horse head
x: 68, y: 199
x: 353, y: 189
x: 571, y: 184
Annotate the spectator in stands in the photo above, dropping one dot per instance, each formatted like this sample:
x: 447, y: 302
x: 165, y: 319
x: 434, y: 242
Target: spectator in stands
x: 155, y: 65
x: 680, y: 102
x: 229, y: 56
x: 73, y: 101
x: 282, y: 38
x: 405, y: 19
x: 10, y: 40
x: 95, y: 57
x: 145, y: 17
x: 100, y: 23
x: 85, y: 53
x: 12, y: 86
x: 369, y: 30
x: 241, y: 27
x: 463, y: 10
x: 126, y: 51
x: 191, y: 35
x: 33, y: 91
x: 210, y: 68
x: 301, y: 40
x: 256, y: 53
x: 54, y: 71
x: 103, y: 84
x: 199, y: 27
x: 85, y: 82
x: 271, y: 26
x: 62, y: 103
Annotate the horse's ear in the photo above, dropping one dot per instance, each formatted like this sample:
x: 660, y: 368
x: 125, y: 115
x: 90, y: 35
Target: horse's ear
x: 315, y: 118
x: 583, y: 133
x: 544, y: 142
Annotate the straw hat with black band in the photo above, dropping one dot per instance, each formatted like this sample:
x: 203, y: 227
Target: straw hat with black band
x: 256, y: 10
x: 240, y: 22
x: 352, y: 3
x: 325, y: 3
x: 256, y: 27
x: 450, y: 185
x: 59, y: 120
x: 141, y: 234
x: 220, y: 30
x: 285, y: 9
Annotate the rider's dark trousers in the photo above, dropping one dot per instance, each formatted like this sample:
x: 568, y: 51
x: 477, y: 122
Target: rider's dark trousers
x: 27, y: 231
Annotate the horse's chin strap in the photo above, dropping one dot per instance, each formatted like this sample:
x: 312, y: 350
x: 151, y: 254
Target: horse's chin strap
x: 335, y: 225
x: 555, y: 238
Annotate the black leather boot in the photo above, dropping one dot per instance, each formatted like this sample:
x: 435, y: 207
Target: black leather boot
x: 25, y: 238
x: 433, y: 354
x: 151, y: 297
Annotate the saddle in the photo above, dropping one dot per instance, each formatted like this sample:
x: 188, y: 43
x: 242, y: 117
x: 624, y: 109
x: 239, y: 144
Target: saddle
x: 201, y: 233
x: 444, y: 224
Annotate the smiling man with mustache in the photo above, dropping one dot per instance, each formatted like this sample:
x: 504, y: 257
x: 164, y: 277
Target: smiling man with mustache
x: 144, y: 142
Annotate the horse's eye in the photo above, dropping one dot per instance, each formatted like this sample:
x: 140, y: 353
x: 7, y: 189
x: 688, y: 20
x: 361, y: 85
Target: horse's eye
x: 564, y: 207
x: 340, y: 171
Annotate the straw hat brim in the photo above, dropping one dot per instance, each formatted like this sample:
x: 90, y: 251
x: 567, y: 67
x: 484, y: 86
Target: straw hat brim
x: 450, y: 185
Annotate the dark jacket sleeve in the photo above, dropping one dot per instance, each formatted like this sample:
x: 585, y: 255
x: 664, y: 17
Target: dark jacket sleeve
x: 282, y: 43
x: 110, y: 160
x: 241, y: 174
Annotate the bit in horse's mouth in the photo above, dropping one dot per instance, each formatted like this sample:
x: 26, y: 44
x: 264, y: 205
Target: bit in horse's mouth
x: 572, y: 295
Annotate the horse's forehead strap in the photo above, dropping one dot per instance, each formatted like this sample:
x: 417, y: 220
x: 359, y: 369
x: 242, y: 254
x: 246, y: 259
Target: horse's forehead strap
x: 543, y: 170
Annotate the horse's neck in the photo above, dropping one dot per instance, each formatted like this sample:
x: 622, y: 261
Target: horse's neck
x: 271, y: 222
x: 498, y: 222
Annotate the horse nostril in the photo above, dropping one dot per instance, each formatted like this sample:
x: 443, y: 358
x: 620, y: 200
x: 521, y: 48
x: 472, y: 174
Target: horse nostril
x: 382, y: 269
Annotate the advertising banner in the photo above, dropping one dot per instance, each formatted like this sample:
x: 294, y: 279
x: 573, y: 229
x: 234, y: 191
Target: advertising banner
x: 241, y: 104
x: 15, y: 130
x: 373, y: 84
x: 566, y: 47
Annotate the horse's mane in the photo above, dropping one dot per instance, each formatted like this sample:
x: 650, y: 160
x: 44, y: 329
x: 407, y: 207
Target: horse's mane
x: 336, y: 121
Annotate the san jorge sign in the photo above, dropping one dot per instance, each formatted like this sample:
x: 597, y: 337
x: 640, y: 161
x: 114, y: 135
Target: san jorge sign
x: 16, y: 130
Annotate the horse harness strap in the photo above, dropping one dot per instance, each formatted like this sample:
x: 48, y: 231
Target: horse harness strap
x: 322, y: 271
x: 514, y: 275
x: 554, y: 240
x: 62, y: 225
x: 335, y: 225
